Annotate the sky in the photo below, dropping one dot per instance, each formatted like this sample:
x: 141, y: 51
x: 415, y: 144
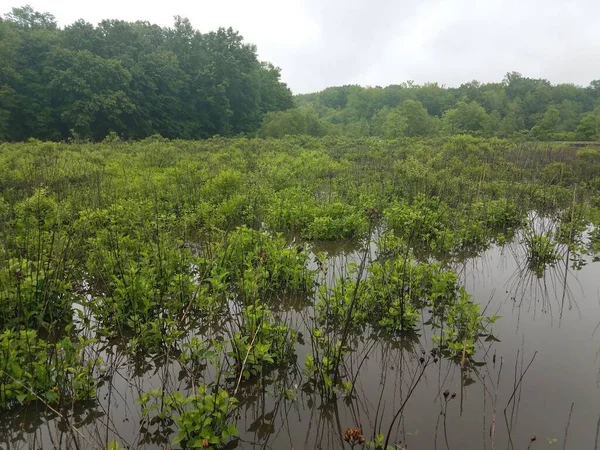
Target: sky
x: 321, y: 43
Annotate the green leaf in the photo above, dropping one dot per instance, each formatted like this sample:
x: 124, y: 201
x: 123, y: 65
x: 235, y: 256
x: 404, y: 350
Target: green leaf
x: 51, y: 396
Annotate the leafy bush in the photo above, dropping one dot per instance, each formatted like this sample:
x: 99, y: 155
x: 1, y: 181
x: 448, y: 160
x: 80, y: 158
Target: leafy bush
x: 260, y: 343
x: 32, y: 369
x: 39, y: 275
x: 541, y: 251
x: 202, y: 419
x: 256, y: 262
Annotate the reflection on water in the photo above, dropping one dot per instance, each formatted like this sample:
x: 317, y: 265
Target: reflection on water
x: 541, y: 379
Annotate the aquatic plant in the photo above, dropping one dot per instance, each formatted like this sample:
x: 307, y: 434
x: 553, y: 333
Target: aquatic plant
x: 541, y: 251
x: 260, y: 343
x: 203, y: 419
x: 39, y: 273
x: 462, y: 325
x: 256, y: 262
x: 32, y: 369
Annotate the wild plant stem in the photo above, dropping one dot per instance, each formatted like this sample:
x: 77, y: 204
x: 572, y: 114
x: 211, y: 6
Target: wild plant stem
x: 567, y: 427
x: 239, y: 380
x: 513, y: 396
x: 413, y: 387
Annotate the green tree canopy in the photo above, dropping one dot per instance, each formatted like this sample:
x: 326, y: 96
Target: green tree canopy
x: 588, y: 128
x: 509, y: 108
x: 418, y: 120
x: 131, y: 78
x: 548, y: 125
x: 465, y: 118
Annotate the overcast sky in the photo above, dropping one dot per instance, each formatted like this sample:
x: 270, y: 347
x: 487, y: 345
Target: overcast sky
x: 320, y: 43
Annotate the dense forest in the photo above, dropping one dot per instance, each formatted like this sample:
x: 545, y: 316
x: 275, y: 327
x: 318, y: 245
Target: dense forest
x: 516, y: 107
x: 134, y: 79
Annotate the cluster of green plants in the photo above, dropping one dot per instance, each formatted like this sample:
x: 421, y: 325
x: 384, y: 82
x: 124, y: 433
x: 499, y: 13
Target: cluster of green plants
x: 433, y: 226
x: 203, y: 419
x: 396, y: 294
x: 260, y: 343
x: 215, y: 256
x: 304, y: 214
x: 398, y: 289
x: 541, y: 251
x: 32, y: 370
x: 39, y: 275
x: 256, y: 262
x: 324, y: 366
x: 461, y: 325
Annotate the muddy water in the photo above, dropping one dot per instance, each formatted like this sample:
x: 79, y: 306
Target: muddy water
x: 542, y: 376
x: 548, y: 323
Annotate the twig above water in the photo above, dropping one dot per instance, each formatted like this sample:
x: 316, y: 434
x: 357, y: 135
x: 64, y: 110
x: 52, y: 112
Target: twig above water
x: 513, y: 396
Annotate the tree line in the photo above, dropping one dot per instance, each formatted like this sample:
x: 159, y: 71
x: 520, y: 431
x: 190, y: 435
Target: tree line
x: 133, y: 79
x: 137, y: 79
x: 516, y: 107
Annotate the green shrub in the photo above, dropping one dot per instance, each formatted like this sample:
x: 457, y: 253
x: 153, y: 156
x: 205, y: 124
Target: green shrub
x: 32, y: 369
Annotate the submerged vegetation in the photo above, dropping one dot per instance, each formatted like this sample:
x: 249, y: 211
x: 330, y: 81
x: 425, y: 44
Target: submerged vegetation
x: 208, y: 256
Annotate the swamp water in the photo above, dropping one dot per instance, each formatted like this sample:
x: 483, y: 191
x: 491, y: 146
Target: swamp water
x: 541, y: 379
